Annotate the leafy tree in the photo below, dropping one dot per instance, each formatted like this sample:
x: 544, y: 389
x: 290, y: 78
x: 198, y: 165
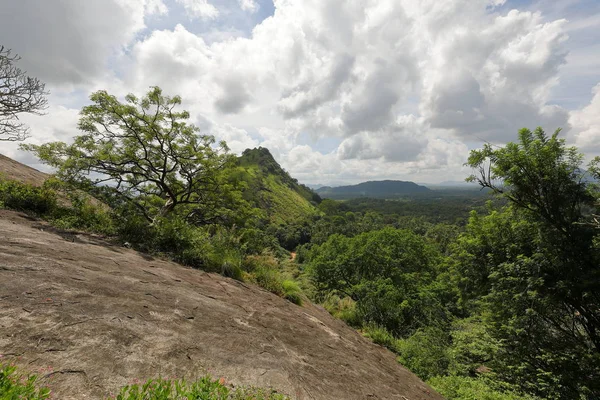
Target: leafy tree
x: 534, y: 269
x: 19, y: 94
x: 146, y: 154
x: 388, y: 273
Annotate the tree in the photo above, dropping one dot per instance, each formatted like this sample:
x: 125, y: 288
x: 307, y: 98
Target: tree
x: 389, y: 273
x: 534, y: 268
x: 19, y: 93
x: 146, y: 154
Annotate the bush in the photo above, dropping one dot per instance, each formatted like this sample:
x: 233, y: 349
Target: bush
x: 467, y: 388
x: 425, y: 353
x: 292, y: 292
x: 15, y: 386
x: 24, y: 197
x: 265, y: 271
x: 381, y: 336
x: 256, y: 241
x: 344, y: 309
x: 84, y: 215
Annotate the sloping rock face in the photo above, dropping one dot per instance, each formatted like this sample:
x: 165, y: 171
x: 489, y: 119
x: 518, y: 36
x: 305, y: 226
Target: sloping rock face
x: 90, y: 317
x: 14, y: 170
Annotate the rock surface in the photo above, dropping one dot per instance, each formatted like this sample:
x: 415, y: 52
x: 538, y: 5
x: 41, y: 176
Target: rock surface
x: 90, y: 317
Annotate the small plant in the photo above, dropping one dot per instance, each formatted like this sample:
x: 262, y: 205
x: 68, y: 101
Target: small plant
x: 265, y: 271
x: 205, y: 388
x: 381, y: 336
x: 14, y: 386
x: 344, y: 309
x: 292, y: 292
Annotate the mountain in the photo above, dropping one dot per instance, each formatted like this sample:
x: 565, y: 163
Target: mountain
x: 272, y: 189
x: 375, y: 189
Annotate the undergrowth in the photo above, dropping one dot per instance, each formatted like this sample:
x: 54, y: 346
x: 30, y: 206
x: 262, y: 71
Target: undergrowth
x: 15, y: 386
x: 228, y: 251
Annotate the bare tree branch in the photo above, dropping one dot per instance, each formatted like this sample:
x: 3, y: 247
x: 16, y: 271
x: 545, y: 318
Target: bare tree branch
x: 19, y: 94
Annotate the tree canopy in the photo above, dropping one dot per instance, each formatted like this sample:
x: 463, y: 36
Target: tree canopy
x: 534, y: 267
x: 146, y: 153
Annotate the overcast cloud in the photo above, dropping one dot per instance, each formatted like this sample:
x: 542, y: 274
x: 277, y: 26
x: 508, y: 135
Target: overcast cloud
x: 340, y: 91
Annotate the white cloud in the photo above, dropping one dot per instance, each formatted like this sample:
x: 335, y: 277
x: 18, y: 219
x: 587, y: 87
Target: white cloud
x: 199, y: 9
x: 400, y: 86
x: 586, y: 125
x: 70, y: 42
x: 237, y: 139
x: 249, y: 5
x: 59, y: 124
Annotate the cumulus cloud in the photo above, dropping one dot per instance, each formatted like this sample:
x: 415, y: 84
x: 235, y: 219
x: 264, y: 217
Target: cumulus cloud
x: 586, y: 125
x: 249, y: 5
x: 399, y: 85
x: 70, y: 42
x: 59, y: 124
x: 199, y: 9
x: 501, y: 79
x: 237, y: 139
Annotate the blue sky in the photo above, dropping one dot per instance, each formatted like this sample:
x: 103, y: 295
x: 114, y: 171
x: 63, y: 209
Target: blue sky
x: 340, y: 91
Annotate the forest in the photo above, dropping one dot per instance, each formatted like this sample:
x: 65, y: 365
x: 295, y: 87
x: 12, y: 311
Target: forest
x: 491, y: 294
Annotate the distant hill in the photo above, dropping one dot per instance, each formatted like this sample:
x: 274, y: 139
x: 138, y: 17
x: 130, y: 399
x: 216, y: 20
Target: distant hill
x: 375, y: 189
x: 272, y: 189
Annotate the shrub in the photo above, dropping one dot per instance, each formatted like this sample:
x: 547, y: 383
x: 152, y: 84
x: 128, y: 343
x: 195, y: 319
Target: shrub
x: 381, y: 336
x: 292, y: 292
x: 467, y: 388
x: 265, y: 271
x: 24, y: 197
x: 84, y: 215
x: 269, y: 279
x: 256, y: 241
x: 344, y: 309
x: 15, y: 386
x: 425, y: 353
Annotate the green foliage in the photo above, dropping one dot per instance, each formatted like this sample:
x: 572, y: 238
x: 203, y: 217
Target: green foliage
x: 381, y: 336
x: 24, y: 197
x: 343, y: 308
x: 425, y: 353
x: 533, y: 269
x: 386, y: 272
x: 291, y: 291
x: 257, y: 241
x: 65, y: 209
x: 467, y: 388
x: 472, y: 347
x: 83, y: 213
x: 14, y: 386
x: 143, y: 152
x: 450, y: 206
x: 205, y: 388
x: 266, y: 271
x: 262, y: 158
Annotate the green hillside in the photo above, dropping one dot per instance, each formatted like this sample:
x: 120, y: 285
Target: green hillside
x: 272, y: 189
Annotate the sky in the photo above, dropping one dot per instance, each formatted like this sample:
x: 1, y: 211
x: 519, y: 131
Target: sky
x: 340, y: 91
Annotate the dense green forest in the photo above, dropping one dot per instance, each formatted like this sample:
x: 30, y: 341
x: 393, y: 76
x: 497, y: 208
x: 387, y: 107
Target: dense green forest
x: 491, y: 294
